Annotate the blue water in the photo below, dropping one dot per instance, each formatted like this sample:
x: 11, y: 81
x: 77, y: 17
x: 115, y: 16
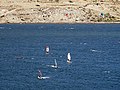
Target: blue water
x: 94, y: 48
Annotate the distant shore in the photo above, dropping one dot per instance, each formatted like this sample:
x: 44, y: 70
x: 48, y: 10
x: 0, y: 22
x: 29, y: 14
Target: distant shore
x: 77, y: 12
x: 67, y: 23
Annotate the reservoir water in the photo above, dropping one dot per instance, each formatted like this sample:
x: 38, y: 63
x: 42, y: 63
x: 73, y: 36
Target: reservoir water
x: 94, y: 48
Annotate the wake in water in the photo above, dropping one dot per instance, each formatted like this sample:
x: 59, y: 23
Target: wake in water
x: 2, y: 27
x: 94, y: 50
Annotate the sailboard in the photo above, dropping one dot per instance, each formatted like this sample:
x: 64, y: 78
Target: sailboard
x: 40, y: 75
x: 55, y: 65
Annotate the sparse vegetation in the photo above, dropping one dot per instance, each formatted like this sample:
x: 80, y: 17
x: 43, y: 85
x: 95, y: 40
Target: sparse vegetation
x: 55, y: 11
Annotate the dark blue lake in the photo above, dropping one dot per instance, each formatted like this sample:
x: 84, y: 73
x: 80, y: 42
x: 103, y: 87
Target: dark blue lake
x: 94, y: 48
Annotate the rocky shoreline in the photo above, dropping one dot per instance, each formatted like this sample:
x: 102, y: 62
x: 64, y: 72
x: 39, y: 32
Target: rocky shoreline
x: 82, y: 12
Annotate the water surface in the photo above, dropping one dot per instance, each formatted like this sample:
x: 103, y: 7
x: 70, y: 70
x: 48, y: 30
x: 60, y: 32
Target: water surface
x: 94, y: 48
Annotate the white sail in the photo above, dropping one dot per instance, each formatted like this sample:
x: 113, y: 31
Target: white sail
x: 47, y: 49
x: 68, y: 58
x: 55, y: 62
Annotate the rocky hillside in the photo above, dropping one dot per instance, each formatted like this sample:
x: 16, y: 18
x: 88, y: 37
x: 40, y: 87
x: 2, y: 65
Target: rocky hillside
x: 64, y: 12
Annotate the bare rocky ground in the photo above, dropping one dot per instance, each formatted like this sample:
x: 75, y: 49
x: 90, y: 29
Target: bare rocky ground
x: 65, y: 12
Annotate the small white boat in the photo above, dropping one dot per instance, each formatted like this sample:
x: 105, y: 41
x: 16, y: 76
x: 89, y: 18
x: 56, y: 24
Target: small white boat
x: 41, y: 77
x: 69, y: 58
x: 47, y: 49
